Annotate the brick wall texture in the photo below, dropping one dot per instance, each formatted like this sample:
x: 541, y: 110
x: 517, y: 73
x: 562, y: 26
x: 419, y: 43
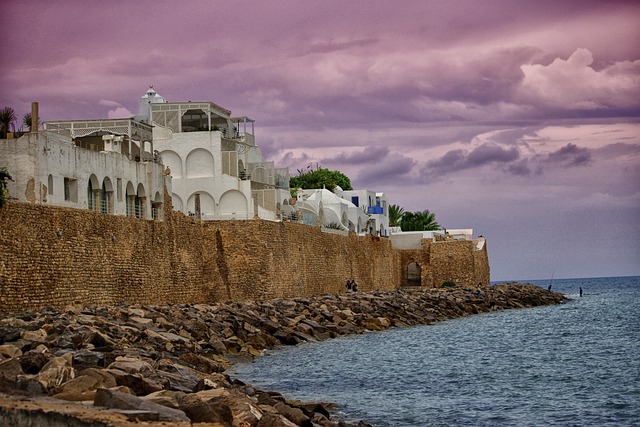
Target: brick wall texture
x: 53, y: 256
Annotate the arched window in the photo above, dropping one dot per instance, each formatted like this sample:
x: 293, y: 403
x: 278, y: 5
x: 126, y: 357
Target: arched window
x: 106, y: 196
x: 130, y: 199
x: 50, y: 184
x: 93, y: 193
x: 141, y: 202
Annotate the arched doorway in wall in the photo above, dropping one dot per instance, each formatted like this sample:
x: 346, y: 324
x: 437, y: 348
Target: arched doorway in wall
x: 242, y: 172
x: 93, y: 193
x: 141, y: 202
x: 414, y: 274
x: 106, y: 196
x: 201, y: 205
x: 130, y: 199
x: 156, y: 207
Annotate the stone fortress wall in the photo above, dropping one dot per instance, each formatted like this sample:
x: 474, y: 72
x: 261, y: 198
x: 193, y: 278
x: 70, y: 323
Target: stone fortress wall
x: 55, y: 256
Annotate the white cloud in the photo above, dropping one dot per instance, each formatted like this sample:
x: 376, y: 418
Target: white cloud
x: 574, y: 84
x: 119, y: 113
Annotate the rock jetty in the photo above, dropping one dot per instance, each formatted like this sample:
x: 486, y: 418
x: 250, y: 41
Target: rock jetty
x: 165, y: 364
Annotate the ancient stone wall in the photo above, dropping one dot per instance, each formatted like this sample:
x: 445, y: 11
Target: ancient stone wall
x: 459, y: 261
x: 54, y: 256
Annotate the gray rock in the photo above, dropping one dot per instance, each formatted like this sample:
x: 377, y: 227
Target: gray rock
x: 86, y: 358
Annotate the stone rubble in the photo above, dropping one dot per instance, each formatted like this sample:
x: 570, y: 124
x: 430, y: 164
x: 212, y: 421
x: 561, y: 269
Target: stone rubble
x: 165, y: 364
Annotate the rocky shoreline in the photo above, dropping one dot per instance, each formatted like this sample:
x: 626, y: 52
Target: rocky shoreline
x: 165, y: 364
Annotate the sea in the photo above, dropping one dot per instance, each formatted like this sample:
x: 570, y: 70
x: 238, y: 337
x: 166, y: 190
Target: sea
x: 575, y: 364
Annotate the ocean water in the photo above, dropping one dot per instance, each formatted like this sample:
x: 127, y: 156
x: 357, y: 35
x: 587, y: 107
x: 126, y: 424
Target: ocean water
x: 576, y: 364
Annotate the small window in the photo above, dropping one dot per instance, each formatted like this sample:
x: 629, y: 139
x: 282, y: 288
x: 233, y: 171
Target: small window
x: 119, y: 189
x: 355, y: 200
x: 50, y: 184
x: 71, y: 190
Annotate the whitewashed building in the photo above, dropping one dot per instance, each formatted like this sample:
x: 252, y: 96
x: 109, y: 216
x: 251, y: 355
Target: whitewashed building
x: 106, y: 166
x: 218, y: 170
x: 375, y: 205
x: 358, y: 211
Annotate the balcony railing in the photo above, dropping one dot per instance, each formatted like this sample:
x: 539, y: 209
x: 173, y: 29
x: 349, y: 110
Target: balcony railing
x: 372, y: 210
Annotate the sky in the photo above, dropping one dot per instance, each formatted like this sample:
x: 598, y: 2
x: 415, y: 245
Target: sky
x: 518, y: 119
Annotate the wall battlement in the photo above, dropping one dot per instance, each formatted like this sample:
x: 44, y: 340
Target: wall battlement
x: 54, y: 256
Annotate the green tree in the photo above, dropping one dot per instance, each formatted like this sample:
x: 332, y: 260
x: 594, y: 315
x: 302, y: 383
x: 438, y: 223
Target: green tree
x: 4, y: 176
x: 7, y: 117
x: 26, y: 121
x: 320, y: 178
x: 395, y: 215
x: 419, y: 221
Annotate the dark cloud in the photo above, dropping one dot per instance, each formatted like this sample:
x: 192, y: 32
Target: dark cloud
x: 491, y: 154
x: 368, y: 155
x: 456, y: 160
x: 393, y: 168
x: 521, y: 168
x: 571, y: 155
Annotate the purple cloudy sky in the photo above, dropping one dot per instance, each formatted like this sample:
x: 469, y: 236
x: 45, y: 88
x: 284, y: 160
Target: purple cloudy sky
x: 519, y: 119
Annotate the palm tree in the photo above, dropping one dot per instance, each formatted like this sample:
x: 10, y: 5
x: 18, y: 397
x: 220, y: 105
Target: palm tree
x: 7, y: 117
x: 26, y: 120
x: 395, y: 215
x: 419, y: 221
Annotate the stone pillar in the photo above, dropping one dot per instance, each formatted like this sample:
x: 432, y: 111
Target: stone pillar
x: 34, y: 117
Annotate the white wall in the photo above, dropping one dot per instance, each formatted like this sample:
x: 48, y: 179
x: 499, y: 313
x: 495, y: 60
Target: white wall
x: 195, y: 161
x: 36, y: 159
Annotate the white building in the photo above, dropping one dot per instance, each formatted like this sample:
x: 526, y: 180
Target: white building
x: 358, y: 211
x: 102, y: 165
x: 218, y: 171
x: 375, y: 206
x: 413, y: 239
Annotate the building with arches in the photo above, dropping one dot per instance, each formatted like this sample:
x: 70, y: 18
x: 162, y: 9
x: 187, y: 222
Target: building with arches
x: 105, y: 166
x: 217, y: 169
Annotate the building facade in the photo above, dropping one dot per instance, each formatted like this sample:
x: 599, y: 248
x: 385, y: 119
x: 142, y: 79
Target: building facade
x: 357, y: 211
x: 218, y: 170
x: 102, y: 165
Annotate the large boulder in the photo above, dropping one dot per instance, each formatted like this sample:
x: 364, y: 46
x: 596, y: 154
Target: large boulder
x: 57, y: 371
x: 84, y: 386
x: 114, y: 399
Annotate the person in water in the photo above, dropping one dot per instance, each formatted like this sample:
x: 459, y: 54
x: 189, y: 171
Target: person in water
x: 580, y: 290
